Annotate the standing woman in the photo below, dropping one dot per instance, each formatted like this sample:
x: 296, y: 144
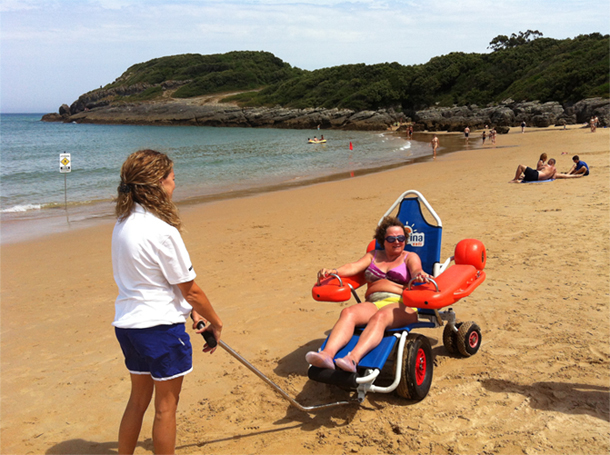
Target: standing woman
x: 157, y: 291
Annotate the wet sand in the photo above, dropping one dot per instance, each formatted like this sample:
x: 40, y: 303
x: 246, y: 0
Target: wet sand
x: 540, y: 383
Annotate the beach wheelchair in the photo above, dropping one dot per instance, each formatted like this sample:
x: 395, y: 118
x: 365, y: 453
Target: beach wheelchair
x: 411, y: 352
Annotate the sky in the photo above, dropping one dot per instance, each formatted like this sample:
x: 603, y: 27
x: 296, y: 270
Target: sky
x: 53, y: 51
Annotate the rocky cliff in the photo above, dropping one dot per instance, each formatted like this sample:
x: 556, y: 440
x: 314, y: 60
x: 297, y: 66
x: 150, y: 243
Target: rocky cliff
x: 214, y: 114
x: 211, y: 113
x: 510, y: 113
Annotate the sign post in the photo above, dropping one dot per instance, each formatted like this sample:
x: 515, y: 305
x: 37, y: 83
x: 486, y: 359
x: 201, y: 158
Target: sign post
x: 65, y: 167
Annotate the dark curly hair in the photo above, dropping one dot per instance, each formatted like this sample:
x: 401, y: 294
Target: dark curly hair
x: 386, y: 223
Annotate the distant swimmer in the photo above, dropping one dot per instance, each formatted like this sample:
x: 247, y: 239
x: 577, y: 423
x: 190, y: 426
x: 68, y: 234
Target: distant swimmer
x: 434, y: 143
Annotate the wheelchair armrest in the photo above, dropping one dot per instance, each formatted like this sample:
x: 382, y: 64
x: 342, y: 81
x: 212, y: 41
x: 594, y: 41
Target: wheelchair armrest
x: 330, y: 289
x: 455, y: 283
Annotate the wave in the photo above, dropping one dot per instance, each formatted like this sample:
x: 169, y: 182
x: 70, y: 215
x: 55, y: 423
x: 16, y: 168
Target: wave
x: 22, y: 208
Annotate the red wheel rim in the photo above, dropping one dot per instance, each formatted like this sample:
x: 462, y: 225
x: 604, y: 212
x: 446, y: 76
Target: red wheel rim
x: 473, y: 340
x: 420, y: 367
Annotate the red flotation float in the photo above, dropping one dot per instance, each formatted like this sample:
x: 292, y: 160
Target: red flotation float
x: 455, y: 283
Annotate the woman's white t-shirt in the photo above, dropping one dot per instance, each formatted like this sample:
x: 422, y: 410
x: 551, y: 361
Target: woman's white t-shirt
x: 149, y: 259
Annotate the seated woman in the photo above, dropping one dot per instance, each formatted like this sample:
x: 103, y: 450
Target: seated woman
x: 387, y: 272
x: 541, y: 162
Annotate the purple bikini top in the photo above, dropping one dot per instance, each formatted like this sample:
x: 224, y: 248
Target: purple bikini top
x: 399, y: 274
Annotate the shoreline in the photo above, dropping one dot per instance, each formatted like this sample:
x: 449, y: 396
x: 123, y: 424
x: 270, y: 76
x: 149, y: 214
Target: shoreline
x: 540, y: 382
x: 78, y: 215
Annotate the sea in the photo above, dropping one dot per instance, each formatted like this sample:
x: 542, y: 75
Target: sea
x: 210, y: 164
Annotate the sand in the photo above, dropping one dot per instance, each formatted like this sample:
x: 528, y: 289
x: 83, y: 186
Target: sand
x: 539, y: 384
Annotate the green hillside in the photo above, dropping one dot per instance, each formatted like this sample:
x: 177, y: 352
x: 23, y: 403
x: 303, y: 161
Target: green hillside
x: 520, y: 67
x: 542, y: 69
x: 208, y: 74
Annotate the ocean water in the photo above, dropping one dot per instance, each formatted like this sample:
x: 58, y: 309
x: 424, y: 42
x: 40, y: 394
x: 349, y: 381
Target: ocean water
x: 210, y: 163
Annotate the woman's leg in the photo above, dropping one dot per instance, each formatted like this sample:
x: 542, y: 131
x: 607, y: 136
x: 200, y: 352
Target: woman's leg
x: 167, y: 394
x: 343, y: 330
x: 389, y: 317
x: 142, y: 386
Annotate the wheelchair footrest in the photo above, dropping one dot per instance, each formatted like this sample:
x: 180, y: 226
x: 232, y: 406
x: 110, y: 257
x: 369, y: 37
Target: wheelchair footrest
x: 335, y: 377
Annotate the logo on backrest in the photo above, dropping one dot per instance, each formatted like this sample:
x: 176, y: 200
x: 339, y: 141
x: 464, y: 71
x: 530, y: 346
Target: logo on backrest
x: 416, y: 239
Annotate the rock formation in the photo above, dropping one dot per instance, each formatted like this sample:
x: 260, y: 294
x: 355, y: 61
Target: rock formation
x: 98, y: 107
x: 510, y: 113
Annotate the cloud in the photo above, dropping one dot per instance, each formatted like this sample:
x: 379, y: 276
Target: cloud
x: 87, y: 43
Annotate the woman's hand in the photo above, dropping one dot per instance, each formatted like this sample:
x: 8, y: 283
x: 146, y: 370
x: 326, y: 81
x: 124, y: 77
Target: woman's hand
x: 323, y: 273
x: 215, y: 331
x: 202, y: 310
x: 422, y: 277
x: 196, y: 317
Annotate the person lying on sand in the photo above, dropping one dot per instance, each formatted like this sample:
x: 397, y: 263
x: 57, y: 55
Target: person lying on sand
x: 387, y: 272
x: 545, y: 172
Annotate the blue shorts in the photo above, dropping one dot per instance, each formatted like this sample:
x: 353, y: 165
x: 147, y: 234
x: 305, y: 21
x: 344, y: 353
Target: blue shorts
x: 164, y: 351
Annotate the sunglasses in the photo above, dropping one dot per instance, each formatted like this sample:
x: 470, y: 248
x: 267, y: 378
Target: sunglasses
x: 394, y: 238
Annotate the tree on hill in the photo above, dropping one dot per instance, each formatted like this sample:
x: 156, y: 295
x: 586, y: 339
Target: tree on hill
x: 504, y: 42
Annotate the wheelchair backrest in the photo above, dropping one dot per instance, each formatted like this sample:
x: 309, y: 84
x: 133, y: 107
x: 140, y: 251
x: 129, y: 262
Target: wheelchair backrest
x: 425, y: 238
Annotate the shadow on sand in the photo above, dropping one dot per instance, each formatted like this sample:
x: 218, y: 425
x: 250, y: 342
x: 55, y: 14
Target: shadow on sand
x: 559, y: 396
x: 91, y: 447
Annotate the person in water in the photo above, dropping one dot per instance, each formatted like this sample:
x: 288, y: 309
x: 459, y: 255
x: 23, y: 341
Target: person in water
x: 434, y: 143
x: 387, y: 272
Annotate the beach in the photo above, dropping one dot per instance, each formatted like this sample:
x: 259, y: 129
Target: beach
x: 540, y: 383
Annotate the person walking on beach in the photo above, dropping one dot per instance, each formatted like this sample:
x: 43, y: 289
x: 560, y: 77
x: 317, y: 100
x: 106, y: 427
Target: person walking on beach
x: 434, y: 143
x: 523, y: 124
x: 157, y: 291
x: 483, y: 136
x: 466, y: 134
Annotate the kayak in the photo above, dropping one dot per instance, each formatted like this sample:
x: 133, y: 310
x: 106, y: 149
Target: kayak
x: 311, y: 141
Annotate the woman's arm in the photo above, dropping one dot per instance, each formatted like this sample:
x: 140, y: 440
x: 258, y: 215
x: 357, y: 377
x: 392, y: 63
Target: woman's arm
x: 350, y: 269
x: 415, y: 270
x: 202, y: 308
